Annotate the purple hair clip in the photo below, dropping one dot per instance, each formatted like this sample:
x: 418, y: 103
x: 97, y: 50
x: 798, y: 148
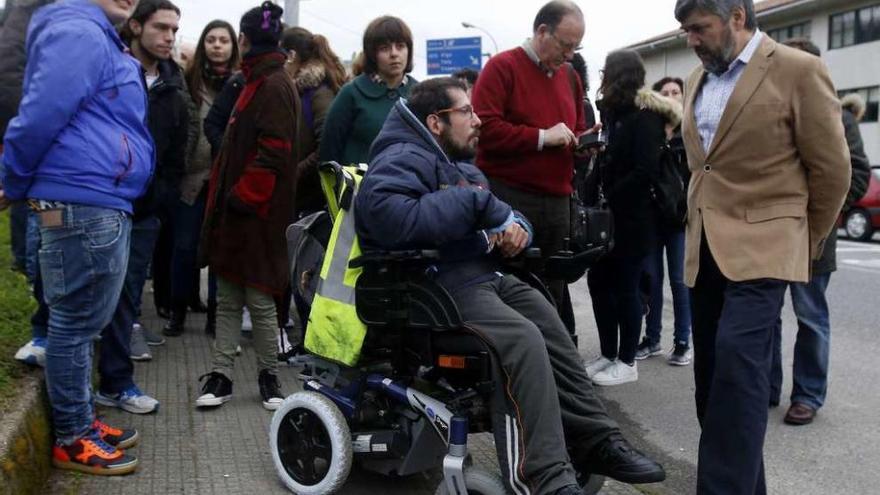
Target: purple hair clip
x: 267, y: 15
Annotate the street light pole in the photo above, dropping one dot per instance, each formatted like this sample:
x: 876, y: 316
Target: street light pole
x: 291, y: 13
x: 471, y: 26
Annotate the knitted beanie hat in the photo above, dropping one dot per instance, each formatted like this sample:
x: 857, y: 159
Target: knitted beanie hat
x: 262, y: 25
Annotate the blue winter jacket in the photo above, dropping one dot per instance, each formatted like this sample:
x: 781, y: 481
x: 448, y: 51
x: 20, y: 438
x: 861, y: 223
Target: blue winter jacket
x: 414, y: 197
x: 81, y: 134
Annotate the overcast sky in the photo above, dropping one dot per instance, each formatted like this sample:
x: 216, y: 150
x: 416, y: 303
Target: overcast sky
x: 610, y: 23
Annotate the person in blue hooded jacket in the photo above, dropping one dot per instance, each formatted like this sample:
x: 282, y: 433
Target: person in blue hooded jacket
x: 419, y: 194
x: 79, y: 152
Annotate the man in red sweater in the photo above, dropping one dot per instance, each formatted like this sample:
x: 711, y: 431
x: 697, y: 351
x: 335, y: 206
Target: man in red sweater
x: 531, y: 123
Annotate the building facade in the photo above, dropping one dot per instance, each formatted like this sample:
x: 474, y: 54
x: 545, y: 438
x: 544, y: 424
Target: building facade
x: 847, y: 32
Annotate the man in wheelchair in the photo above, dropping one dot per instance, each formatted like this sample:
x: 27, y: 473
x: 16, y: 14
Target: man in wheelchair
x: 419, y: 194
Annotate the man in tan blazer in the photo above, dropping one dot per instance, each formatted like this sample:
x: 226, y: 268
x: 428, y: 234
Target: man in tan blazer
x: 770, y: 170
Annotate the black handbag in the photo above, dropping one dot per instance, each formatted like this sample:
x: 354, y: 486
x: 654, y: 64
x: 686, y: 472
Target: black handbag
x: 591, y: 226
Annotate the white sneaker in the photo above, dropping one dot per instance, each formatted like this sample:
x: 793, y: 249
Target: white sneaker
x: 597, y: 365
x: 33, y: 353
x: 131, y: 400
x: 616, y: 374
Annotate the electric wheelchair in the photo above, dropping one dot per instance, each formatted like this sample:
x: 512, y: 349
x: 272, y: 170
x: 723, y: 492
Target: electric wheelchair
x: 421, y: 385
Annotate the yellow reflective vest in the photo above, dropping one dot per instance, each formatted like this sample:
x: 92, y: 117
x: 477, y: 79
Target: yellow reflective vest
x: 334, y: 331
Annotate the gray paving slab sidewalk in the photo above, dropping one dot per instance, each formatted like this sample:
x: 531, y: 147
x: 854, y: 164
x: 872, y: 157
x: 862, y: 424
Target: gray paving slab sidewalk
x: 224, y: 451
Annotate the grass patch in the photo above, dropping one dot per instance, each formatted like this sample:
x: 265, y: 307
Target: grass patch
x: 16, y: 307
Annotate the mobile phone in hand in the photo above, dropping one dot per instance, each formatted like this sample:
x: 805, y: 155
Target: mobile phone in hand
x: 590, y: 141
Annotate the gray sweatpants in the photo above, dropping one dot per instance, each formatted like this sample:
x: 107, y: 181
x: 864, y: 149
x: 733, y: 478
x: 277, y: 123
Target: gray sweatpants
x: 543, y: 400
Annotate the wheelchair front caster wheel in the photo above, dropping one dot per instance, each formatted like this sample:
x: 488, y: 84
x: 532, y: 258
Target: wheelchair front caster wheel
x: 311, y: 444
x: 477, y: 482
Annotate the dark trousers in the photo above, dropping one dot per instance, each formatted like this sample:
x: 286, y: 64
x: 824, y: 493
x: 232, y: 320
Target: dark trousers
x: 617, y: 305
x: 18, y: 219
x: 115, y: 367
x: 544, y: 400
x: 549, y: 216
x: 184, y: 279
x: 733, y: 328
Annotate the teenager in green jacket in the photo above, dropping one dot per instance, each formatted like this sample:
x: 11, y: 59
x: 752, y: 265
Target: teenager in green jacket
x: 361, y: 106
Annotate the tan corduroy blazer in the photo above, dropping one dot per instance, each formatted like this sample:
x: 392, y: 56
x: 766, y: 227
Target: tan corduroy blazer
x: 769, y: 189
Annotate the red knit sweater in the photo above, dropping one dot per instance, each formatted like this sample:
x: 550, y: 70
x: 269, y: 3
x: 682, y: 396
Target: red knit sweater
x: 515, y: 99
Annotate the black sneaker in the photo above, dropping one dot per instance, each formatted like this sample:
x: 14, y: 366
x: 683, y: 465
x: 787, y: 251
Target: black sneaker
x: 680, y: 355
x: 617, y: 459
x: 270, y: 390
x: 647, y: 349
x: 215, y: 391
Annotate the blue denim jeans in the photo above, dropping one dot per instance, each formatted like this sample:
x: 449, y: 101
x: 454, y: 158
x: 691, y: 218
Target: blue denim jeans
x: 673, y: 242
x: 144, y: 233
x: 40, y: 318
x: 812, y: 347
x: 115, y: 368
x: 32, y: 246
x: 83, y: 263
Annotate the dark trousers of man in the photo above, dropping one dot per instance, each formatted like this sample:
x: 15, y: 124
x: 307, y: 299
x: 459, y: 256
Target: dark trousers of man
x: 115, y: 367
x: 549, y: 216
x: 544, y: 380
x: 185, y: 277
x: 733, y: 328
x: 18, y: 218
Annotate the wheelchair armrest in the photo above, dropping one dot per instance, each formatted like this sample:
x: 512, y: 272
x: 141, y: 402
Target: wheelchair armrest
x: 399, y: 257
x: 570, y: 266
x: 530, y: 253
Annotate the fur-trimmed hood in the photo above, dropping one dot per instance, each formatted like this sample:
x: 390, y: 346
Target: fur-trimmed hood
x: 855, y: 104
x: 309, y: 76
x: 670, y: 109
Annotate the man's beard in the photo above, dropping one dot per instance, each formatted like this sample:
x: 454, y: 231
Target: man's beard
x: 456, y: 152
x: 719, y: 61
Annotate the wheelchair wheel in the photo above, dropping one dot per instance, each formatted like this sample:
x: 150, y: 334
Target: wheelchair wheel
x: 311, y: 444
x: 477, y: 482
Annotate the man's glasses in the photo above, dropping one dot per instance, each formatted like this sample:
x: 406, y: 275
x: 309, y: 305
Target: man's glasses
x: 466, y: 110
x: 566, y: 47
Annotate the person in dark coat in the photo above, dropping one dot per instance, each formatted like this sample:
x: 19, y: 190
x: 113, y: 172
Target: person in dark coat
x: 218, y: 115
x: 319, y: 75
x: 250, y: 204
x: 12, y: 61
x: 671, y: 240
x: 812, y: 349
x: 215, y: 59
x: 635, y: 120
x: 151, y: 40
x: 419, y: 193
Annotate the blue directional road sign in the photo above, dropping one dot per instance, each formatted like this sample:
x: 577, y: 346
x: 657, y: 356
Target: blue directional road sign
x: 449, y: 55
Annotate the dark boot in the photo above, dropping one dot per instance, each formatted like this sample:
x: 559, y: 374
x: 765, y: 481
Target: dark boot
x: 175, y: 325
x: 211, y: 319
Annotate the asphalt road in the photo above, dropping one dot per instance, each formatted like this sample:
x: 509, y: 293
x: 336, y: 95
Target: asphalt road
x: 838, y: 453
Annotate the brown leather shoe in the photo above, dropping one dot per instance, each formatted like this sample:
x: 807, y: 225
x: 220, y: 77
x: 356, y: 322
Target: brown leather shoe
x: 799, y: 414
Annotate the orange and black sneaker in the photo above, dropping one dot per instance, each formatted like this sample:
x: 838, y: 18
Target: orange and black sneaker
x: 92, y: 455
x: 121, y: 439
